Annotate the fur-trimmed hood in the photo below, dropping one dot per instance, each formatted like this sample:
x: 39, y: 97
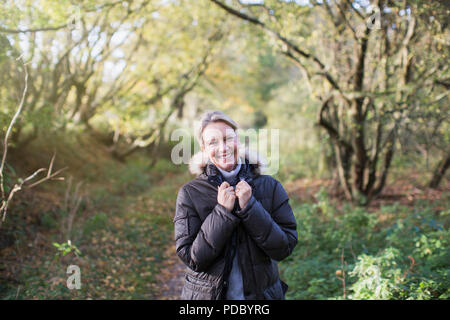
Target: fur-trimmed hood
x: 199, y: 161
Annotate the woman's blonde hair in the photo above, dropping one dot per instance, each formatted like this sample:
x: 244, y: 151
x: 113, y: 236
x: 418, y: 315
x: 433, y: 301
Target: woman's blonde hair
x: 213, y: 116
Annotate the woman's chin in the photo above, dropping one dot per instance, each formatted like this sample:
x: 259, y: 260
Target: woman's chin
x: 226, y: 165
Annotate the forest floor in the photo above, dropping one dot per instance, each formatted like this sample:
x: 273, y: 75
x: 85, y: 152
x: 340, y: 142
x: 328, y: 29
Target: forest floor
x: 171, y: 278
x: 123, y: 226
x: 403, y: 189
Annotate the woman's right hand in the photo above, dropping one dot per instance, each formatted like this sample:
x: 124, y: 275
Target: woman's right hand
x: 226, y: 196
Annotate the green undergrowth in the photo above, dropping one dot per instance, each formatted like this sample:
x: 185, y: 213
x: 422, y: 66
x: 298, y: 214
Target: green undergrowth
x: 397, y: 252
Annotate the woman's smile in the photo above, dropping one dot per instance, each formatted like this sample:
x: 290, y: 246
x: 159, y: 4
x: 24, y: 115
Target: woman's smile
x: 226, y: 157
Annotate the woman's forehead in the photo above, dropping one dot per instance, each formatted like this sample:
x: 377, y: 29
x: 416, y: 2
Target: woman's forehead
x: 217, y: 130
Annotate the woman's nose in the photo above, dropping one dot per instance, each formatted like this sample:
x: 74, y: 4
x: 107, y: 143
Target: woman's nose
x: 222, y: 146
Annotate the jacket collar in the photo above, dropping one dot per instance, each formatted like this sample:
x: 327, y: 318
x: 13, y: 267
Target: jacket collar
x: 248, y: 172
x: 199, y: 161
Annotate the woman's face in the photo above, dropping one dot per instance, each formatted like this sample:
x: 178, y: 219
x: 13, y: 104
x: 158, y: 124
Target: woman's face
x: 221, y: 144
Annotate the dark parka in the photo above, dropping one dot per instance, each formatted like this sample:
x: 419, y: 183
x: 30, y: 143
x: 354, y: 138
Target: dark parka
x: 263, y: 233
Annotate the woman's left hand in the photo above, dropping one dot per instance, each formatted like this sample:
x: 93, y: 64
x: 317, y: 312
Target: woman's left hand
x: 243, y: 192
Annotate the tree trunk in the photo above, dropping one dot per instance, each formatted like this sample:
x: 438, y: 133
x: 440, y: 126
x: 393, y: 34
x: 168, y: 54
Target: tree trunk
x: 343, y: 160
x: 439, y: 172
x: 359, y: 160
x: 388, y: 156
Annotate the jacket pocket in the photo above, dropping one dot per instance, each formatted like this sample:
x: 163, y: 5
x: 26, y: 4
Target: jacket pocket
x: 275, y: 291
x: 196, y: 289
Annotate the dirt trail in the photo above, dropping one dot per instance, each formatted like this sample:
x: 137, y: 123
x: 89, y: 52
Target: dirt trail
x: 171, y: 278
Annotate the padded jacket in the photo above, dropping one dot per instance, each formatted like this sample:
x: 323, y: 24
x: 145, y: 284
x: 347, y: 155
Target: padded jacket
x: 263, y: 233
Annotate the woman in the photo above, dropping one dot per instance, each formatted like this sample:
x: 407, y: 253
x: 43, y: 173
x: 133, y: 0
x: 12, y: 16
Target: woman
x: 232, y: 224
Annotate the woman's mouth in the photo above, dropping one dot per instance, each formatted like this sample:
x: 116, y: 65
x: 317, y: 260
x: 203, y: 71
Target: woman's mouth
x: 227, y: 157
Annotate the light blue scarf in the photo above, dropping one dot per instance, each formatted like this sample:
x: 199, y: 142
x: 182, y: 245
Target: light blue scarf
x: 231, y: 175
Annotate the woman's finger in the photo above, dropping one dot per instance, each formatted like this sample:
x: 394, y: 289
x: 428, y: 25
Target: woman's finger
x: 242, y: 183
x: 224, y: 185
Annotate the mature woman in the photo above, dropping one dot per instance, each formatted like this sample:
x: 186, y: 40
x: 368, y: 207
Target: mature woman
x: 232, y: 224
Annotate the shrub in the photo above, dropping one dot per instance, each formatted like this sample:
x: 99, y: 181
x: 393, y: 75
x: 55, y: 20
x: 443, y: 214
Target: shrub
x: 402, y: 256
x: 377, y: 277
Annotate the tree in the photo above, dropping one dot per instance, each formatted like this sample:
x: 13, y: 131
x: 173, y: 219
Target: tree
x: 366, y: 64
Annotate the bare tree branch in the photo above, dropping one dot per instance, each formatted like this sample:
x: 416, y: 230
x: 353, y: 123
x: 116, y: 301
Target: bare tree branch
x: 288, y: 43
x: 48, y: 177
x: 5, y: 30
x: 332, y: 131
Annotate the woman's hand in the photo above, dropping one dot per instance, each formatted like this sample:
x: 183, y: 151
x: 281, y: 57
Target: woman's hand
x: 244, y: 193
x: 226, y: 196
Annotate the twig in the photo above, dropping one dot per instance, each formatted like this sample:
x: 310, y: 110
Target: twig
x: 49, y: 173
x: 49, y: 177
x: 411, y: 267
x: 18, y: 187
x: 17, y: 293
x: 71, y: 206
x: 342, y: 272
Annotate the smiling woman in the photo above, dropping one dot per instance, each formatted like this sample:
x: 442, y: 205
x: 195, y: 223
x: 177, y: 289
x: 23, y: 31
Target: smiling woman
x: 232, y: 223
